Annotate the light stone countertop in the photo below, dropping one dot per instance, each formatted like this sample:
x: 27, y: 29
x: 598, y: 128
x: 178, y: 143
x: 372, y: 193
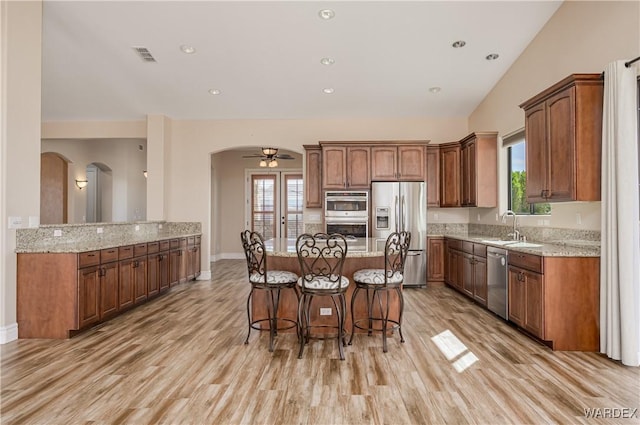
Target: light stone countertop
x: 50, y: 246
x: 358, y: 248
x: 565, y: 248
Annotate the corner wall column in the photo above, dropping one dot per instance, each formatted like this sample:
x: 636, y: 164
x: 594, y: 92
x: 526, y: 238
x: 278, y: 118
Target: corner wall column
x: 158, y: 144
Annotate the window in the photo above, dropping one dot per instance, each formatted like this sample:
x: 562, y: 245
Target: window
x: 273, y: 195
x: 517, y: 174
x: 263, y: 208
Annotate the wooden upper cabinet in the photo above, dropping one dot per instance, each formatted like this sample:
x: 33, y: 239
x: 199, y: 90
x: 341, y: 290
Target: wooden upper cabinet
x: 450, y: 175
x: 433, y: 176
x: 398, y: 163
x: 563, y: 130
x: 479, y: 170
x: 345, y: 167
x: 313, y: 176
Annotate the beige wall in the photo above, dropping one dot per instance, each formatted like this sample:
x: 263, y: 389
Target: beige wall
x: 20, y: 67
x: 228, y: 178
x: 125, y: 160
x: 581, y: 37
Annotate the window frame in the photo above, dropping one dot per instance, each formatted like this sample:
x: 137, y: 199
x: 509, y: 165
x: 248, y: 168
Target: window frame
x: 509, y: 142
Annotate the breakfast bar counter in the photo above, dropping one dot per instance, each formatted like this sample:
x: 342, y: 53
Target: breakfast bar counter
x: 362, y: 253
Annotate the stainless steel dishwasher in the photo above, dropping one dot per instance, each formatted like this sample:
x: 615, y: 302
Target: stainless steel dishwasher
x: 497, y: 281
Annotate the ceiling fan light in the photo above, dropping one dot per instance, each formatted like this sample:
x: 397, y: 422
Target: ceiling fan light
x: 269, y: 151
x: 263, y: 163
x: 273, y: 163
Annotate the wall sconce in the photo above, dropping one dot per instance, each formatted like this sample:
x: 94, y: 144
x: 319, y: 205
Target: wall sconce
x: 81, y: 183
x: 145, y: 173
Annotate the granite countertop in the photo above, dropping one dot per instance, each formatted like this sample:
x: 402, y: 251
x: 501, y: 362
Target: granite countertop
x: 50, y: 246
x: 358, y: 248
x: 564, y: 248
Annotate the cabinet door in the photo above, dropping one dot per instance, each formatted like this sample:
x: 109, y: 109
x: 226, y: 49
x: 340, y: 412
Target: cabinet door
x: 88, y: 296
x: 517, y: 296
x: 125, y: 284
x: 334, y: 167
x: 480, y: 280
x: 561, y: 143
x: 467, y: 274
x: 411, y: 163
x: 174, y: 267
x: 198, y: 260
x: 384, y: 163
x: 313, y: 177
x: 358, y: 175
x: 435, y: 252
x: 153, y: 275
x: 450, y: 176
x: 140, y: 279
x: 164, y: 270
x: 536, y: 145
x: 451, y: 268
x: 108, y: 290
x: 468, y: 174
x: 534, y: 288
x: 433, y: 176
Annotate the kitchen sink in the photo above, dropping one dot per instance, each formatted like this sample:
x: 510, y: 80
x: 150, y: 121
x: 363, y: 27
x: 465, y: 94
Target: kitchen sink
x: 525, y: 245
x: 499, y: 242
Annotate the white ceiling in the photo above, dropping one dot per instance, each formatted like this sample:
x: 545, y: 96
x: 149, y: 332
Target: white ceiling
x: 264, y: 57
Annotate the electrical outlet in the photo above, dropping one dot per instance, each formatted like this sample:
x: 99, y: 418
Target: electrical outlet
x: 325, y: 311
x: 57, y: 232
x: 137, y: 227
x: 497, y: 217
x: 478, y: 218
x: 160, y: 226
x: 435, y: 216
x: 578, y: 218
x: 100, y: 230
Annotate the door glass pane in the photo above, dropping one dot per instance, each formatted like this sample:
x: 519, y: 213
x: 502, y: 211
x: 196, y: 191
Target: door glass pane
x: 293, y: 215
x: 263, y: 205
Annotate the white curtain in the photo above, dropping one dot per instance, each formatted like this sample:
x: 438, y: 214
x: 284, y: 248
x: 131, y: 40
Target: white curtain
x: 620, y: 234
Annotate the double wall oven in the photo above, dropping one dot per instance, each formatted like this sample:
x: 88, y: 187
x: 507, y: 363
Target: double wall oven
x: 347, y: 213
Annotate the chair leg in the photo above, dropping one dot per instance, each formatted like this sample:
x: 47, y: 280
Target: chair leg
x: 249, y: 314
x: 353, y: 317
x: 385, y: 316
x: 370, y: 311
x: 270, y: 318
x: 295, y: 290
x: 401, y: 298
x: 340, y: 317
x: 301, y: 325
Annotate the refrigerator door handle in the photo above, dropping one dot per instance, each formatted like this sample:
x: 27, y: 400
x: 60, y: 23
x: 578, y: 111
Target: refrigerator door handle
x: 403, y: 212
x: 397, y: 212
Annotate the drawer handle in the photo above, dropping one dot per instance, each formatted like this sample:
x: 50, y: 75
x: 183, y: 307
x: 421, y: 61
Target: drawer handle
x: 91, y: 255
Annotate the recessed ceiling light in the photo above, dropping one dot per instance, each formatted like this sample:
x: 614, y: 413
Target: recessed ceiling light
x: 215, y: 92
x: 492, y: 56
x: 435, y: 89
x: 327, y: 61
x: 187, y: 49
x: 327, y: 90
x: 327, y: 14
x: 458, y: 44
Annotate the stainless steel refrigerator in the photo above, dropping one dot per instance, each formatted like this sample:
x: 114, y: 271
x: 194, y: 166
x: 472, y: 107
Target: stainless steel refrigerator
x: 398, y: 206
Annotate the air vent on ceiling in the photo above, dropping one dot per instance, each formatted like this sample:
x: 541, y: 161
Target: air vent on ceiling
x: 144, y: 54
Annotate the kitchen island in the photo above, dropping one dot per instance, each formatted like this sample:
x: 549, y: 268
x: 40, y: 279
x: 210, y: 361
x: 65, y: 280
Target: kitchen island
x: 362, y: 253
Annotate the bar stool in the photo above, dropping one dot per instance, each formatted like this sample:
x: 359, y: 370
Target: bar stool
x: 271, y: 281
x: 321, y: 258
x: 377, y: 281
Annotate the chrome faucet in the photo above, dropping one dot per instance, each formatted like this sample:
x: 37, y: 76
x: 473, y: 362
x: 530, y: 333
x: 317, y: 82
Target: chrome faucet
x: 516, y: 233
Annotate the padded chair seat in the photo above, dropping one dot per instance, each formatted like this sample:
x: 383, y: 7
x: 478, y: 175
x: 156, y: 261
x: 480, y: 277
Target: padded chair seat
x: 321, y: 282
x: 274, y: 277
x: 376, y: 277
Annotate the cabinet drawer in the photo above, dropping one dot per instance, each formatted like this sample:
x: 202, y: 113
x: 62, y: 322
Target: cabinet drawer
x: 467, y: 247
x: 175, y: 243
x: 109, y: 255
x: 454, y: 244
x: 198, y: 238
x: 165, y: 245
x: 153, y: 247
x: 183, y: 242
x: 89, y: 258
x: 140, y: 249
x: 480, y: 250
x: 191, y: 240
x: 125, y: 252
x: 525, y: 261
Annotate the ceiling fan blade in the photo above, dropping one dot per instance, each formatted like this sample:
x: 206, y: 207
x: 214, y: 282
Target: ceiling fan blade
x: 252, y: 156
x: 284, y: 156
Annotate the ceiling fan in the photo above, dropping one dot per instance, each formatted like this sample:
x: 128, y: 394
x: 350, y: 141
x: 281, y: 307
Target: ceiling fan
x: 269, y: 157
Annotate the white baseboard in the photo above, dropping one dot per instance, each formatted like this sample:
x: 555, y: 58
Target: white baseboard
x: 227, y: 256
x: 8, y: 333
x: 204, y: 275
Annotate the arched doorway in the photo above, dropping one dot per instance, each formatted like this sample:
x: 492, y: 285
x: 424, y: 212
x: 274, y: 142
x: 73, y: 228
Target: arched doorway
x: 54, y: 188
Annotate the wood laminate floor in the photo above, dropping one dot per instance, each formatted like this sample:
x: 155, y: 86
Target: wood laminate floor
x: 181, y: 359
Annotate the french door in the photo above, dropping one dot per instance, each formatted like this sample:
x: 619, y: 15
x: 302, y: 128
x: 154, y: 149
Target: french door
x: 275, y: 204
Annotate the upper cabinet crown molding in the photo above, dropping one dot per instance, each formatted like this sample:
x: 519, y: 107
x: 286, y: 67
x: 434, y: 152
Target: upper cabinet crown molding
x: 563, y: 131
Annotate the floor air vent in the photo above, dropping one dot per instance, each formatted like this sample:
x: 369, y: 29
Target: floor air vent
x: 144, y: 54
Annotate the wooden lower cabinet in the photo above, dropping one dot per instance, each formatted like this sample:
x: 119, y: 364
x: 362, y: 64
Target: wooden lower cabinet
x: 126, y: 284
x: 436, y: 259
x: 139, y: 279
x: 108, y: 290
x: 480, y: 280
x: 526, y: 300
x: 88, y: 296
x: 175, y: 262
